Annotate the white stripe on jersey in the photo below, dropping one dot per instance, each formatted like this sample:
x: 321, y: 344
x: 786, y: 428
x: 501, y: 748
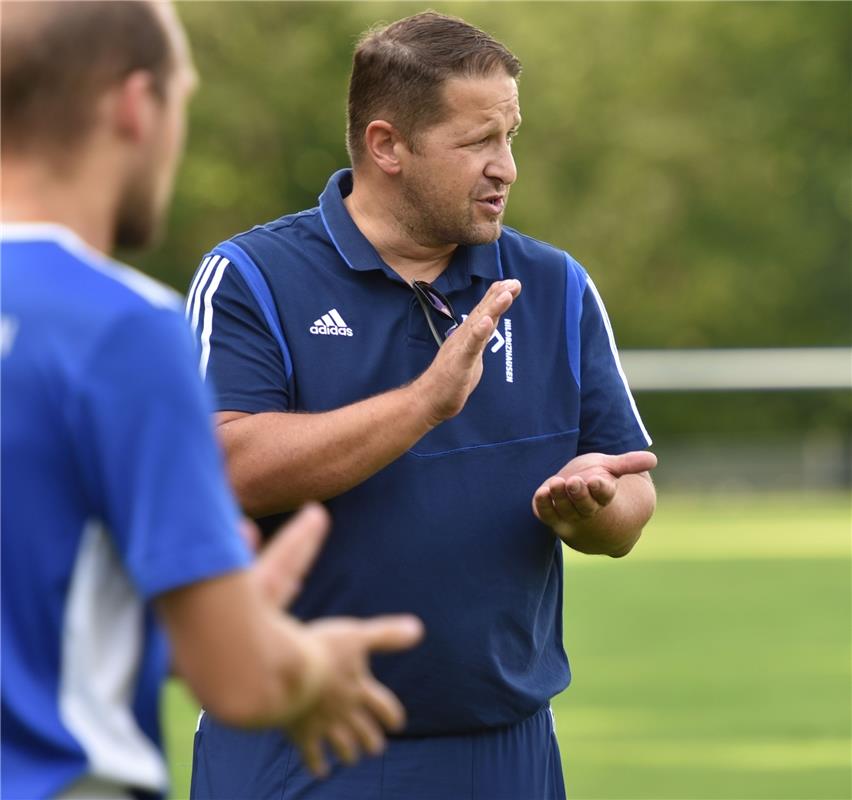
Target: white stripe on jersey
x: 338, y: 320
x: 203, y: 276
x: 615, y: 358
x: 156, y: 293
x: 101, y: 646
x: 207, y: 328
x: 194, y: 285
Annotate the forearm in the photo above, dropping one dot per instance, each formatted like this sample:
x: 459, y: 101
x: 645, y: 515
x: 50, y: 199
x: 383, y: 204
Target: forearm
x: 277, y: 461
x: 616, y: 528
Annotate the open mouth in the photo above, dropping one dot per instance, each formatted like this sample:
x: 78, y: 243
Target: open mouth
x: 495, y: 203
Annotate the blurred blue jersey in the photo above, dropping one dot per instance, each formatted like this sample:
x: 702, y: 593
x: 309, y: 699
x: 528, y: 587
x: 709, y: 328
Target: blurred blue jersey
x: 112, y: 493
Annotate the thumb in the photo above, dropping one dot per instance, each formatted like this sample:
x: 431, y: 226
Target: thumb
x: 284, y: 562
x: 391, y: 632
x: 631, y: 463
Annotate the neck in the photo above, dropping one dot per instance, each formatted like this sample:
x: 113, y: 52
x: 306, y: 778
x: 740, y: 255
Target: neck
x: 32, y: 191
x: 372, y: 209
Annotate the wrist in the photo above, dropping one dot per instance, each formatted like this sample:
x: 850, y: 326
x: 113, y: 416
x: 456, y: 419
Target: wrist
x: 419, y: 401
x: 309, y: 669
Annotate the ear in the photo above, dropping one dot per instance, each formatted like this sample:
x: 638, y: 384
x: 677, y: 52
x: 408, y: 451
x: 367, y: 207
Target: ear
x: 135, y: 106
x: 384, y: 146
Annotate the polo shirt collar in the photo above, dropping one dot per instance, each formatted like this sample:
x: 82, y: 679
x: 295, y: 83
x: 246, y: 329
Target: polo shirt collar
x: 358, y: 254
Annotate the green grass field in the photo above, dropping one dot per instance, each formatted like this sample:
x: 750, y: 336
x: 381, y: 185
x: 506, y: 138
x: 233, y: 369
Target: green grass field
x: 713, y: 662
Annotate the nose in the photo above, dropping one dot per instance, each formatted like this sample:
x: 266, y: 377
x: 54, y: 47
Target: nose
x: 501, y: 167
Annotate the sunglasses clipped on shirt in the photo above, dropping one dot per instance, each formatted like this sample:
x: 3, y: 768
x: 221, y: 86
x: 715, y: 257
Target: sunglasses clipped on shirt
x: 434, y: 304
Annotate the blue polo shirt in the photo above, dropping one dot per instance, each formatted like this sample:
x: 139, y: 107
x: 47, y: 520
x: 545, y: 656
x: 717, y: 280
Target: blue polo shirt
x: 303, y: 315
x: 113, y: 493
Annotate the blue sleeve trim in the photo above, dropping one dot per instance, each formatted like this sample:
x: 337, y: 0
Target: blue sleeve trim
x: 260, y: 289
x: 575, y: 284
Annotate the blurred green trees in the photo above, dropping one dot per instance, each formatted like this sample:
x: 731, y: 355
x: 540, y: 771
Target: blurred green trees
x: 695, y: 157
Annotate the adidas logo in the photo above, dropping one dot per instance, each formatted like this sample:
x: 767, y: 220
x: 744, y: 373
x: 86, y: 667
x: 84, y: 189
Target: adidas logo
x: 330, y: 324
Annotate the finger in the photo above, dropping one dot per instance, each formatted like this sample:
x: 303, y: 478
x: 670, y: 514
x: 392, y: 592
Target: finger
x: 391, y: 632
x: 631, y: 463
x: 285, y: 561
x: 503, y: 297
x: 343, y: 742
x: 578, y: 496
x: 383, y: 704
x: 514, y: 287
x: 313, y: 757
x: 477, y: 330
x: 476, y: 338
x: 369, y: 735
x: 543, y: 506
x: 494, y: 303
x: 511, y: 285
x: 602, y: 490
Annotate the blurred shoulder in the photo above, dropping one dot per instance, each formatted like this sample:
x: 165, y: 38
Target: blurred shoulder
x: 51, y: 265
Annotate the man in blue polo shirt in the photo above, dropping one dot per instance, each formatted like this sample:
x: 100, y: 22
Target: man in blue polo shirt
x: 452, y: 388
x: 116, y: 516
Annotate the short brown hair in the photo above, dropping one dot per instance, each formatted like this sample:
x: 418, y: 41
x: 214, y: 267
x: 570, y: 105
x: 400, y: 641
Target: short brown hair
x: 398, y: 72
x: 58, y: 56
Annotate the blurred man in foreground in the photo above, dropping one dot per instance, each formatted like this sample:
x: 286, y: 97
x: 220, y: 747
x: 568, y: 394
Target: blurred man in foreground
x: 460, y: 427
x: 116, y: 515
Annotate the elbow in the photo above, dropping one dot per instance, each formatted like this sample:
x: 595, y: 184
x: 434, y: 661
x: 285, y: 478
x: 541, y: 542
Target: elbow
x: 621, y: 553
x: 255, y: 500
x: 257, y: 489
x: 257, y: 504
x: 261, y: 492
x: 627, y: 539
x: 247, y: 484
x: 257, y: 495
x: 625, y: 546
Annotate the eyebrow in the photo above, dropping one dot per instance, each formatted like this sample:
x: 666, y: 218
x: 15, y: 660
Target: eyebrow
x: 490, y: 128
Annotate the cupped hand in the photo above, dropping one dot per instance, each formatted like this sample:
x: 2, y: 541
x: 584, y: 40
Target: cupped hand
x: 584, y: 486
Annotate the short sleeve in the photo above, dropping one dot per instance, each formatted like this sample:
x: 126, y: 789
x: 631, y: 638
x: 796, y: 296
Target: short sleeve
x: 239, y: 354
x: 149, y: 458
x: 609, y: 420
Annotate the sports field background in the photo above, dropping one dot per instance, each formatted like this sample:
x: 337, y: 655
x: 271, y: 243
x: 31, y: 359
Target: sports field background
x: 713, y: 662
x: 695, y: 158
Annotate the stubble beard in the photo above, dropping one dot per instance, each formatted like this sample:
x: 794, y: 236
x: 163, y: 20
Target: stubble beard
x: 138, y: 219
x: 427, y: 219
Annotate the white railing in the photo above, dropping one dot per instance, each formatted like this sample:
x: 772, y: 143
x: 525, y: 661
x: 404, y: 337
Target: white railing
x: 739, y: 369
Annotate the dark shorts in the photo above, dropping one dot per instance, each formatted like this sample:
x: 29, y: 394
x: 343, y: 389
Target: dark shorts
x: 518, y: 762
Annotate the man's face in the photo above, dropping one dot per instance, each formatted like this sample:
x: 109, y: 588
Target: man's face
x: 456, y: 180
x: 145, y: 201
